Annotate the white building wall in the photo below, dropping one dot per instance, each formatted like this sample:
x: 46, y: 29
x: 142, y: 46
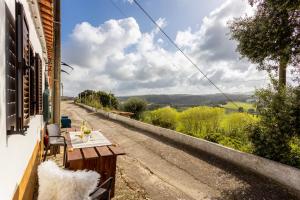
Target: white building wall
x: 16, y: 150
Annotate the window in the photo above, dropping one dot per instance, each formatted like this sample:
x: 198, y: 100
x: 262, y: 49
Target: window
x: 39, y: 83
x: 11, y: 72
x: 32, y: 84
x: 23, y: 74
x: 23, y: 70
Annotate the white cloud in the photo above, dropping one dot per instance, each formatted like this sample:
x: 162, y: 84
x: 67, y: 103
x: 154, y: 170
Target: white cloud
x: 117, y: 56
x: 130, y: 1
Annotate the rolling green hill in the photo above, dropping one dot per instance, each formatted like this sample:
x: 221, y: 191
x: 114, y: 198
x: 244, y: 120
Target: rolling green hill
x: 190, y: 100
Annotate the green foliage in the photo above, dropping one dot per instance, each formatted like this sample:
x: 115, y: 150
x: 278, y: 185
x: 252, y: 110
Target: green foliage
x: 93, y: 102
x: 85, y: 93
x: 234, y: 127
x: 214, y: 137
x: 270, y: 36
x: 164, y: 117
x: 237, y: 104
x: 206, y: 122
x: 98, y: 99
x: 107, y: 99
x: 200, y: 120
x: 279, y: 123
x: 251, y: 111
x: 136, y: 106
x: 234, y: 124
x: 294, y: 157
x: 241, y: 109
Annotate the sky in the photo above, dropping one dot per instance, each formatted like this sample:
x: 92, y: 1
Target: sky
x: 114, y: 47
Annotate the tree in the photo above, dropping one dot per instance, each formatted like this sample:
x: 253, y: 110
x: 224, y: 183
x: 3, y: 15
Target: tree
x: 270, y: 37
x: 241, y: 109
x: 85, y: 94
x: 107, y: 100
x: 136, y: 106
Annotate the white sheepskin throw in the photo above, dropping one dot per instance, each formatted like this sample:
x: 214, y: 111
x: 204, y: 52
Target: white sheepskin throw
x: 59, y: 184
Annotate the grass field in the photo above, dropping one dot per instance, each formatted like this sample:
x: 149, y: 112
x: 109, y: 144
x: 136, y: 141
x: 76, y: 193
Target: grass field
x: 234, y: 105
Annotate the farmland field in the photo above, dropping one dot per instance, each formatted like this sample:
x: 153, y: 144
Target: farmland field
x: 236, y: 104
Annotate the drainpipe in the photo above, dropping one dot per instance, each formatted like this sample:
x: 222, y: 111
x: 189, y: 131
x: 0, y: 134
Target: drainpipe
x: 57, y: 63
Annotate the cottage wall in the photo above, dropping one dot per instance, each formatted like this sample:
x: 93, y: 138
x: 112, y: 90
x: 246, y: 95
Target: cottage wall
x: 17, y: 152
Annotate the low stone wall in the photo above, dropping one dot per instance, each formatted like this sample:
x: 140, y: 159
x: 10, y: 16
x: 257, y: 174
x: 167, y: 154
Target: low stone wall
x: 283, y: 174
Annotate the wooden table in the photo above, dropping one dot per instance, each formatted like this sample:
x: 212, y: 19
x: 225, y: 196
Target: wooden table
x: 102, y: 159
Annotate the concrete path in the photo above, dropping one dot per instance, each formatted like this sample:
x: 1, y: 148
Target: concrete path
x: 157, y: 170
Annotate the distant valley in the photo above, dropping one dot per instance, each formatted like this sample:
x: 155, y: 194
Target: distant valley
x: 183, y: 100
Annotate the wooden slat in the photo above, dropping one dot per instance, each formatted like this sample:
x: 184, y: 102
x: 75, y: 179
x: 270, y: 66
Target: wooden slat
x: 47, y: 6
x: 49, y: 46
x: 117, y: 150
x: 46, y: 10
x: 48, y: 32
x: 104, y: 151
x: 47, y: 18
x: 89, y: 153
x: 49, y: 41
x: 11, y: 88
x: 74, y: 155
x: 46, y: 3
x: 47, y: 23
x: 48, y: 28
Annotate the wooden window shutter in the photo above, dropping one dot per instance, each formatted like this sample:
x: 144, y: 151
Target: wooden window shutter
x: 23, y: 77
x: 39, y: 84
x: 32, y: 82
x: 11, y: 72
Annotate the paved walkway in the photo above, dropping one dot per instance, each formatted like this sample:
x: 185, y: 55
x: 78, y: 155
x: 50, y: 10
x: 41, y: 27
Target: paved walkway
x: 156, y: 170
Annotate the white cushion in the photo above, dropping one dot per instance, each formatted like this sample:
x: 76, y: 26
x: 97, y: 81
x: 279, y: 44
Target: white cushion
x: 59, y: 184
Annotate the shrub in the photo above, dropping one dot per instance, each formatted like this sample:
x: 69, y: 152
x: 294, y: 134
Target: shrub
x: 280, y: 115
x: 241, y: 109
x: 251, y: 111
x: 107, y: 99
x: 235, y: 124
x: 94, y: 103
x: 166, y: 117
x: 295, y: 152
x: 213, y: 137
x: 136, y: 106
x: 198, y: 121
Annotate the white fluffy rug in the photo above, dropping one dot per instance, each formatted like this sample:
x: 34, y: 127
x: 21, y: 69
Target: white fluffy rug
x: 59, y: 184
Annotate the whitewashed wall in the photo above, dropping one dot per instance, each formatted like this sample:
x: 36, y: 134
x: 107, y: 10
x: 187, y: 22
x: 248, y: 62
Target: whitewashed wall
x: 15, y: 150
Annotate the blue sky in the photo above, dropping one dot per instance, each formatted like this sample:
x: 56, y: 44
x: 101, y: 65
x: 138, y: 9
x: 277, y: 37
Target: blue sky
x: 180, y: 14
x: 126, y: 54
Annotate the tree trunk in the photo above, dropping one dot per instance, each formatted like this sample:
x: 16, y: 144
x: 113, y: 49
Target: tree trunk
x: 282, y: 71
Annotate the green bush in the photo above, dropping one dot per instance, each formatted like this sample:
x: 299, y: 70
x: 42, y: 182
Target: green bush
x: 107, y: 99
x: 295, y: 152
x: 235, y: 124
x: 94, y: 103
x: 214, y: 137
x: 164, y: 117
x: 199, y: 121
x: 241, y: 109
x: 136, y: 106
x: 98, y: 99
x: 279, y: 123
